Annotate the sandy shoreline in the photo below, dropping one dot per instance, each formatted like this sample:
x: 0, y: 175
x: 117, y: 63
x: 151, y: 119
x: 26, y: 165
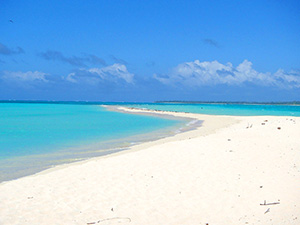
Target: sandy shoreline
x: 217, y: 174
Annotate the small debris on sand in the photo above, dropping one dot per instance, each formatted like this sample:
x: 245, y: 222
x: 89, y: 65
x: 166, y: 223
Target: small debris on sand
x: 268, y: 210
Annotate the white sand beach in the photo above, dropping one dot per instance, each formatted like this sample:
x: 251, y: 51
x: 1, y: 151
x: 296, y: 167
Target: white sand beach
x: 232, y: 170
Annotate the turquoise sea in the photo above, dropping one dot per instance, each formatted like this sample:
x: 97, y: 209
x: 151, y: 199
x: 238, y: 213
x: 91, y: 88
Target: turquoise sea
x: 36, y: 136
x: 225, y: 108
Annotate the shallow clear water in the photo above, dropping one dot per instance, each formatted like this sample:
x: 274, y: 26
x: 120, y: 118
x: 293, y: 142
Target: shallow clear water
x: 225, y: 109
x: 36, y: 135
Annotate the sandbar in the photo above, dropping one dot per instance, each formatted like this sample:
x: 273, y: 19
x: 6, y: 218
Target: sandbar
x: 231, y: 170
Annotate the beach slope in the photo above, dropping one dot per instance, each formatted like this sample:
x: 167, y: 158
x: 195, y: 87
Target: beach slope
x: 232, y: 170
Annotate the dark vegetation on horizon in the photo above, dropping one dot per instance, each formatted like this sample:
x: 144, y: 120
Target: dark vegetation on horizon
x: 172, y: 102
x: 232, y: 102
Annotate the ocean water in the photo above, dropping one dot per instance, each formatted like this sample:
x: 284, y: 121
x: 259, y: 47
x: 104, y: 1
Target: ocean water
x: 37, y: 136
x: 225, y: 109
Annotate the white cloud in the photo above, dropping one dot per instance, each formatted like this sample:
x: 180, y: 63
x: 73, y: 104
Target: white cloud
x: 71, y: 78
x: 24, y: 77
x: 210, y: 73
x: 113, y: 73
x: 290, y: 80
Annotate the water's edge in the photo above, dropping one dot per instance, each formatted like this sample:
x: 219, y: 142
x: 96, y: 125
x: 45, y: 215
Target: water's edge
x: 11, y: 169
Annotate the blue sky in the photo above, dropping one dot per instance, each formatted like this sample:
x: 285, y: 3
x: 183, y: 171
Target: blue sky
x: 150, y: 50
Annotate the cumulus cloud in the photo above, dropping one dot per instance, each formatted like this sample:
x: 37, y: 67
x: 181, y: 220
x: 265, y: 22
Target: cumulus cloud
x: 114, y: 73
x: 4, y: 50
x: 211, y: 73
x: 27, y: 80
x: 73, y: 60
x: 24, y: 76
